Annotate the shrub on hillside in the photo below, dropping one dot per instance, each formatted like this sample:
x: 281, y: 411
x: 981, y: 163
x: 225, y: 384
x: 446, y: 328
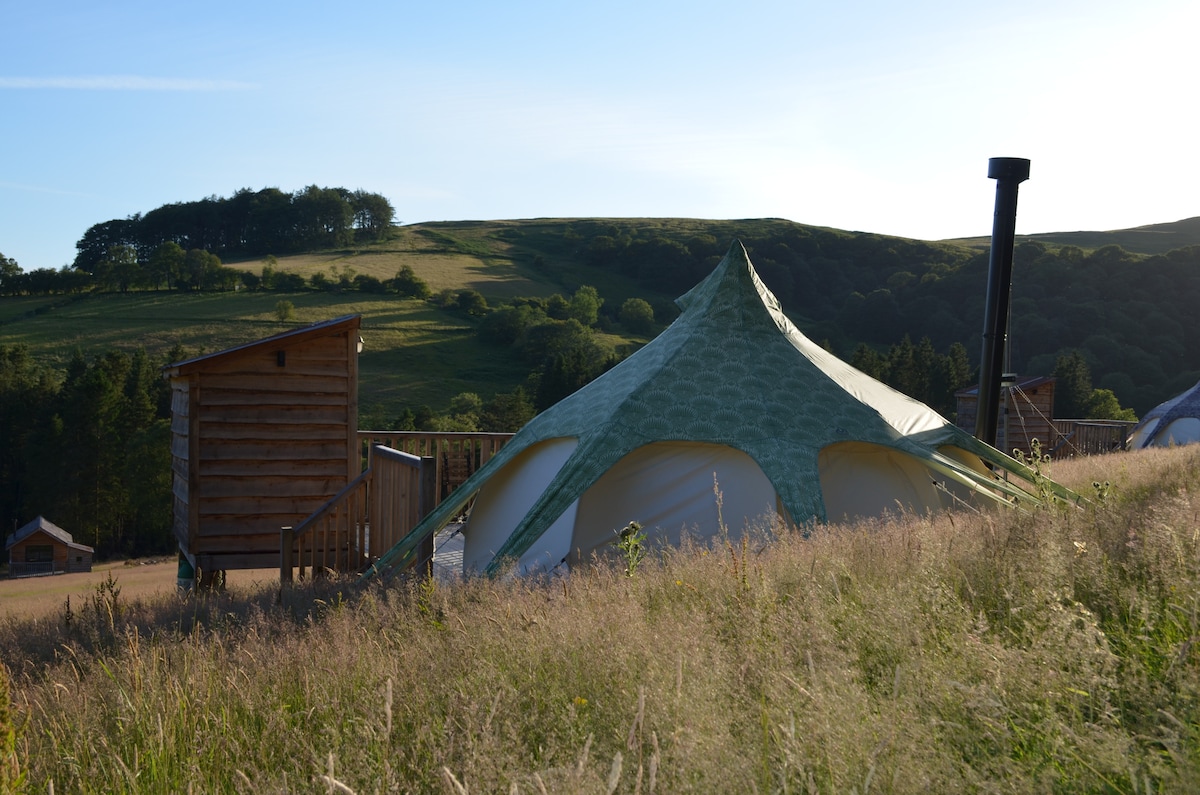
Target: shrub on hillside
x: 407, y: 284
x: 637, y: 315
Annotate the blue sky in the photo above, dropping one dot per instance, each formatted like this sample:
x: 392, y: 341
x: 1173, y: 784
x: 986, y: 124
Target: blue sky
x: 867, y: 116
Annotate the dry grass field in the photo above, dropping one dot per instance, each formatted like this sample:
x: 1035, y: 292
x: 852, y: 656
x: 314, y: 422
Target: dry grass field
x: 42, y: 597
x: 1055, y: 650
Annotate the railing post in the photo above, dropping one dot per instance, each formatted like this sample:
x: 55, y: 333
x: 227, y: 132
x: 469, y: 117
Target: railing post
x: 426, y: 502
x: 286, y: 539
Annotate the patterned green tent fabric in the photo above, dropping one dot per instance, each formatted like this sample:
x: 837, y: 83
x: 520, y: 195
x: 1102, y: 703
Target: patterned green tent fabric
x: 731, y: 370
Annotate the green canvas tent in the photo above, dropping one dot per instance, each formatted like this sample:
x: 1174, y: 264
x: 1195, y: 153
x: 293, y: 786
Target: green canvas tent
x: 728, y: 415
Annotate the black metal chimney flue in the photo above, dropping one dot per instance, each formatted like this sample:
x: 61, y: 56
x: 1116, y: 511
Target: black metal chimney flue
x: 1009, y: 172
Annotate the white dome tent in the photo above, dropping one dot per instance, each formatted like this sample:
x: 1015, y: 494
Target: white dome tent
x: 1173, y: 422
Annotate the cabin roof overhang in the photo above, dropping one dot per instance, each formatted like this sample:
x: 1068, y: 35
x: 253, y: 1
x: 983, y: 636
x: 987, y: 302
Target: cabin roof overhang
x: 1026, y: 383
x: 287, y: 339
x: 47, y: 528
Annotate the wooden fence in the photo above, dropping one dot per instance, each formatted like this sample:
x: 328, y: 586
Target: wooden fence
x: 456, y: 455
x: 46, y: 568
x: 365, y: 519
x: 1088, y: 437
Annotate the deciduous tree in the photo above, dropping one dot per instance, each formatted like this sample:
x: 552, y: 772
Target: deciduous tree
x: 166, y: 264
x: 407, y: 284
x: 637, y: 315
x: 585, y: 305
x: 10, y: 272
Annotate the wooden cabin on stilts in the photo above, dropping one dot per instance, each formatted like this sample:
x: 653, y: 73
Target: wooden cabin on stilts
x: 262, y: 435
x: 270, y: 468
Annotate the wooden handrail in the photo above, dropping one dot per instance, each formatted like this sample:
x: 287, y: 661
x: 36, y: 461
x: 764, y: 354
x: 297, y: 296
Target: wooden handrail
x: 365, y: 519
x: 333, y: 538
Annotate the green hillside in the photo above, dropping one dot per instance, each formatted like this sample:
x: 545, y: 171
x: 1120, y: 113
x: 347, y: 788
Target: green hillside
x: 1129, y: 314
x: 512, y: 316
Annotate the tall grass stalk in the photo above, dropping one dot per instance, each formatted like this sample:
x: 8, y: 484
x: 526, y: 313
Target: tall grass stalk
x: 1053, y: 651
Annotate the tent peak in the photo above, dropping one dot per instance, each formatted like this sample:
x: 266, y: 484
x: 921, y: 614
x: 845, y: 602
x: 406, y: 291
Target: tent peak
x: 733, y: 278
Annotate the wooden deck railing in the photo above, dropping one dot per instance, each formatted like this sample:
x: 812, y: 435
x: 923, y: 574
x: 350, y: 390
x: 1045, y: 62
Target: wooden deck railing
x: 333, y: 538
x: 456, y: 455
x: 363, y: 520
x: 44, y: 568
x: 1088, y: 437
x: 406, y: 474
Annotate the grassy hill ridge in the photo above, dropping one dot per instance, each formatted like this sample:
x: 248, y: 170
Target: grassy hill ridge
x: 842, y: 288
x: 1149, y: 239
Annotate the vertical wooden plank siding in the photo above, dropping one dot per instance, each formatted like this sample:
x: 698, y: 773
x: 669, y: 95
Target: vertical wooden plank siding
x: 1027, y: 417
x: 353, y: 466
x: 193, y: 462
x: 1028, y: 408
x: 181, y: 462
x: 269, y: 431
x: 395, y: 490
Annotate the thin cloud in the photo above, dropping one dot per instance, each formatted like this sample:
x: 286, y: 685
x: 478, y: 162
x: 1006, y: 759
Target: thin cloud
x: 123, y: 83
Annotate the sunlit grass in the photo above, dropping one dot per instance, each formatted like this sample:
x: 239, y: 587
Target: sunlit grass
x: 413, y: 353
x: 1006, y: 652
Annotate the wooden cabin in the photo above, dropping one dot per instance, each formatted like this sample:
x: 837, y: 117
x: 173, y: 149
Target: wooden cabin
x: 1026, y: 412
x: 42, y: 547
x: 262, y: 435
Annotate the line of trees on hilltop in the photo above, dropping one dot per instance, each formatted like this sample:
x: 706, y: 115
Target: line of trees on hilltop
x: 247, y: 224
x: 88, y: 448
x: 180, y: 246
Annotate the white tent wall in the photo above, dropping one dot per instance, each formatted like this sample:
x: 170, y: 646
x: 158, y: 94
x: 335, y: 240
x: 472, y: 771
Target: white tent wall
x: 1184, y: 430
x: 673, y: 489
x: 861, y: 481
x: 1143, y: 433
x: 670, y: 488
x: 1172, y: 422
x: 505, y: 499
